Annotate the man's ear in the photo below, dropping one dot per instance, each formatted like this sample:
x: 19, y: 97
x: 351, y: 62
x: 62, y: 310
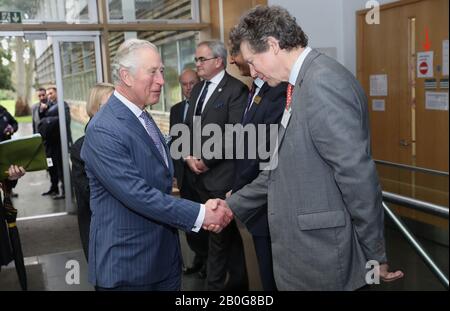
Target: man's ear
x: 219, y: 62
x: 125, y: 76
x: 274, y: 44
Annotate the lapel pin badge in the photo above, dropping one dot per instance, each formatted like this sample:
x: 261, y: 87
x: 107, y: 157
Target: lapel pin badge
x: 257, y: 99
x: 220, y: 90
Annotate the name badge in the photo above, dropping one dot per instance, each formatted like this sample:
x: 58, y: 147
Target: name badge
x: 286, y: 118
x: 49, y: 162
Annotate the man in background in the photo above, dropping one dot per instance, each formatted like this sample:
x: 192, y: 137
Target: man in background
x: 198, y: 242
x: 49, y: 129
x: 219, y: 100
x: 265, y: 105
x: 42, y: 96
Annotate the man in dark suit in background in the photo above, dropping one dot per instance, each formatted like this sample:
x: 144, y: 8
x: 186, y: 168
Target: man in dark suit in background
x: 220, y: 99
x: 42, y: 95
x: 49, y: 129
x: 265, y: 105
x: 198, y: 242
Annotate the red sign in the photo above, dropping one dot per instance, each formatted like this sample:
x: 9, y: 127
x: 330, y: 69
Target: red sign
x: 423, y: 68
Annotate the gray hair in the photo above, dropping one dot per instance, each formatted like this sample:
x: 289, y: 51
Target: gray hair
x: 262, y: 22
x: 125, y: 56
x: 218, y: 50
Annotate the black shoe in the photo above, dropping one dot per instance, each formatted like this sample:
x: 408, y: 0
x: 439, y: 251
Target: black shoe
x: 59, y: 197
x: 193, y: 269
x: 51, y: 192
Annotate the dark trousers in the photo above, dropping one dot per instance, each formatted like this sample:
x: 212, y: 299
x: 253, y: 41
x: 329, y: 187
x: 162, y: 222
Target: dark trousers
x: 225, y: 254
x: 198, y: 242
x: 263, y: 250
x: 56, y: 171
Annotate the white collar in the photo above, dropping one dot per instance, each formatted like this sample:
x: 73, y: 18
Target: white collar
x: 295, y: 71
x: 218, y: 77
x: 259, y: 83
x: 133, y: 107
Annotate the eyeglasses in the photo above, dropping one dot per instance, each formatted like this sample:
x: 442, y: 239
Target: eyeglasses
x: 202, y: 59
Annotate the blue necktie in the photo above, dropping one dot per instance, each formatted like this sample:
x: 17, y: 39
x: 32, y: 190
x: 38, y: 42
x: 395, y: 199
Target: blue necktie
x: 153, y: 132
x: 198, y: 110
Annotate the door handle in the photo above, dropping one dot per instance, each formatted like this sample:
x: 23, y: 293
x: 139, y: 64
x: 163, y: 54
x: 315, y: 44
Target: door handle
x: 404, y: 142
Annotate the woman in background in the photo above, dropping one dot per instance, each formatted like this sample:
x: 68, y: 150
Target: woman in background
x: 98, y: 96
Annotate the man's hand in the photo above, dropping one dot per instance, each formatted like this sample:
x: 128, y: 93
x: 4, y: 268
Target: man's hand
x: 201, y: 166
x: 15, y: 172
x: 217, y: 215
x: 43, y: 107
x: 387, y: 276
x: 195, y: 165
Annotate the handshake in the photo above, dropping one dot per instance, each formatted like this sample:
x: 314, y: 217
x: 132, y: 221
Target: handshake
x: 217, y: 215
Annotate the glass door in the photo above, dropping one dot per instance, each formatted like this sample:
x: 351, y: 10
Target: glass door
x: 77, y: 70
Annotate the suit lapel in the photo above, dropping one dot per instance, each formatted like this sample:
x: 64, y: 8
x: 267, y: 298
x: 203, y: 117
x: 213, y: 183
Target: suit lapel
x: 215, y: 94
x: 298, y: 84
x: 255, y: 106
x: 132, y: 123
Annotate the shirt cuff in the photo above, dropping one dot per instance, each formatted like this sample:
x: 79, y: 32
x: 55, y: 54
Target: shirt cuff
x: 200, y: 218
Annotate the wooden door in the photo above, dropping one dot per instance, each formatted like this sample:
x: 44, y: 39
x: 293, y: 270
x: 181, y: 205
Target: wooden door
x: 405, y: 132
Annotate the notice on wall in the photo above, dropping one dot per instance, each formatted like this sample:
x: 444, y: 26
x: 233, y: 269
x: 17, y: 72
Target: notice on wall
x: 445, y: 58
x: 436, y: 100
x: 378, y: 105
x: 378, y: 85
x: 425, y: 64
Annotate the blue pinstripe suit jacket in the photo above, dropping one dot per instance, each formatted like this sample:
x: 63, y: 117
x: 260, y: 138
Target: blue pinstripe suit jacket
x: 133, y: 236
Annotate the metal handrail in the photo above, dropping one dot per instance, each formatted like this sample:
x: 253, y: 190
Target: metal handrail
x: 422, y: 206
x: 417, y: 247
x: 413, y: 168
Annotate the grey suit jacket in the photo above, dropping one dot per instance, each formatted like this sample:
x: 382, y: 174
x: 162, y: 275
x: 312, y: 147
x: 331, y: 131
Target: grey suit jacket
x: 324, y: 200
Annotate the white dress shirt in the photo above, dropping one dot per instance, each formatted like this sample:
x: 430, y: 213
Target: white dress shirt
x: 211, y: 88
x: 295, y: 71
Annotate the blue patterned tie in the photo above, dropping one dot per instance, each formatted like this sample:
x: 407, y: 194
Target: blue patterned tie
x: 153, y: 132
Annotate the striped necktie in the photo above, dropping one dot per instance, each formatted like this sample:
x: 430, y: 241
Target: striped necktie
x: 153, y: 132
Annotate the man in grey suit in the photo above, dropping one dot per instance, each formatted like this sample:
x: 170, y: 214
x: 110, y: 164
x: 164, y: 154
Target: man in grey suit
x: 133, y: 242
x: 323, y: 195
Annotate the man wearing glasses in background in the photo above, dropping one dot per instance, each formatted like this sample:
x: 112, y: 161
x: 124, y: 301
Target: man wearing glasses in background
x: 219, y: 99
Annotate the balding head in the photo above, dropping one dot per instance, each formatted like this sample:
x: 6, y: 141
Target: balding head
x: 188, y: 79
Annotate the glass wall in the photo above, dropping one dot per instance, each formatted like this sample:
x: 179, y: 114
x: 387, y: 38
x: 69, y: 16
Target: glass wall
x: 129, y: 10
x: 43, y: 11
x: 177, y: 49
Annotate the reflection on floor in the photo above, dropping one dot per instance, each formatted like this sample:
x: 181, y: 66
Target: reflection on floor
x: 50, y: 244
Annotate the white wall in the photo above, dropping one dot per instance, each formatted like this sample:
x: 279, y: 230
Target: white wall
x: 329, y: 24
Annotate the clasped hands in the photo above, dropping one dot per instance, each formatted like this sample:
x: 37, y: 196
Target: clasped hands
x: 217, y: 215
x: 197, y: 166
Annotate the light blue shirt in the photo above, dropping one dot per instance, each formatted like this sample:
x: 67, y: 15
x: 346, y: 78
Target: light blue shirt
x: 295, y: 71
x: 137, y: 112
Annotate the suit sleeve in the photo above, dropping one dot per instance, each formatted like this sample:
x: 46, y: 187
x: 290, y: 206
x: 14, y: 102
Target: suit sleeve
x: 339, y: 129
x: 248, y: 202
x: 236, y: 108
x: 108, y: 159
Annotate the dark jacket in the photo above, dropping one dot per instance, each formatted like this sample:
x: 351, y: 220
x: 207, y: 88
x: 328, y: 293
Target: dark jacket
x: 176, y: 117
x: 268, y: 111
x: 6, y: 119
x: 82, y: 193
x: 225, y: 106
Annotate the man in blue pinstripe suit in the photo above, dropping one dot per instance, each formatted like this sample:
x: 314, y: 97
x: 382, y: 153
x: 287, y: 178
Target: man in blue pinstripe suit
x: 134, y: 242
